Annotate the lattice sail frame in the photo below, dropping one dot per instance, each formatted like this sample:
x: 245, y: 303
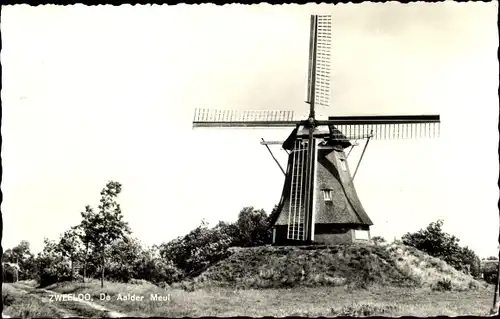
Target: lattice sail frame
x: 320, y: 60
x: 353, y: 127
x: 391, y: 131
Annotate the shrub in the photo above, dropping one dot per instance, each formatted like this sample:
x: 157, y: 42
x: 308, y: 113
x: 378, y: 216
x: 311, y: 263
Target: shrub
x: 490, y: 278
x: 10, y: 272
x: 53, y: 269
x: 442, y: 285
x: 435, y: 242
x: 197, y: 250
x: 363, y: 309
x: 134, y: 281
x: 7, y: 299
x: 378, y: 240
x: 489, y: 272
x: 163, y: 285
x: 474, y: 285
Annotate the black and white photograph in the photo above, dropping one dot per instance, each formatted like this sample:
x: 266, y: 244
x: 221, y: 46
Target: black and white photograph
x: 318, y: 160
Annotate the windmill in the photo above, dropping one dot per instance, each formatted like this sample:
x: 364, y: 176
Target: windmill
x: 319, y: 202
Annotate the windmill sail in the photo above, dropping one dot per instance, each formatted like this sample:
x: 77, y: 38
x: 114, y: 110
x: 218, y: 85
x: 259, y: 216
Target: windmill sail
x: 319, y: 201
x: 319, y: 61
x: 243, y: 118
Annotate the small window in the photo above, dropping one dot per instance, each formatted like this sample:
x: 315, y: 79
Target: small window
x: 327, y: 194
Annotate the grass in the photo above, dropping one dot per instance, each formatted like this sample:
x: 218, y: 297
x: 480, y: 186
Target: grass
x: 357, y: 266
x: 114, y: 289
x: 430, y: 271
x: 20, y: 304
x: 299, y: 301
x: 352, y: 280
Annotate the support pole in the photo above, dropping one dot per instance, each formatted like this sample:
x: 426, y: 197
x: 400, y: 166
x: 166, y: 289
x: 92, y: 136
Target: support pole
x: 352, y: 146
x: 363, y: 153
x: 496, y: 301
x: 281, y: 168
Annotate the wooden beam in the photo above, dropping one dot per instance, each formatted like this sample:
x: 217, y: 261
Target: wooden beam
x: 281, y: 168
x: 243, y: 124
x: 363, y: 153
x: 281, y: 143
x: 381, y: 119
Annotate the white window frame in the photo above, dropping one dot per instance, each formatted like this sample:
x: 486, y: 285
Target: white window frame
x: 327, y: 194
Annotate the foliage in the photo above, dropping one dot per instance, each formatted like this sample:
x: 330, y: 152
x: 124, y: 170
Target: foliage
x: 10, y: 273
x: 434, y: 241
x: 102, y: 242
x: 71, y: 247
x: 378, y: 240
x: 121, y: 256
x: 198, y: 249
x: 492, y: 258
x: 442, y: 285
x: 363, y: 310
x: 204, y: 246
x: 70, y: 244
x: 106, y: 226
x: 22, y: 256
x: 52, y: 266
x: 253, y: 228
x: 86, y: 238
x: 150, y: 266
x: 489, y: 271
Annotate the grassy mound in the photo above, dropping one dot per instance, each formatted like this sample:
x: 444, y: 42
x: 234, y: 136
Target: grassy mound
x: 429, y: 271
x: 351, y: 266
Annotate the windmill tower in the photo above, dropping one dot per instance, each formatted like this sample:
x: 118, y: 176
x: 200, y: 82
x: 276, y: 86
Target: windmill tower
x: 319, y: 202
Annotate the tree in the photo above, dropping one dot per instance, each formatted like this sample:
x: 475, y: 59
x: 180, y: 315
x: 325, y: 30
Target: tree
x: 199, y: 249
x: 85, y: 233
x: 8, y: 256
x: 22, y: 256
x: 434, y: 241
x: 71, y: 246
x: 150, y: 266
x: 51, y: 265
x: 123, y: 255
x: 253, y: 227
x: 107, y: 225
x: 492, y: 258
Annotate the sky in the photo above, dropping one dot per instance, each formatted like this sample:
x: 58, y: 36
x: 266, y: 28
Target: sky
x: 100, y: 93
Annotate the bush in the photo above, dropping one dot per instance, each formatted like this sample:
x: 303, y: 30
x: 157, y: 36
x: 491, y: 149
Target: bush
x: 10, y: 273
x: 435, y: 242
x: 197, y: 250
x: 134, y: 281
x: 203, y: 246
x: 489, y: 271
x: 490, y: 278
x: 378, y: 240
x: 363, y: 309
x: 7, y: 299
x: 53, y: 269
x: 442, y: 285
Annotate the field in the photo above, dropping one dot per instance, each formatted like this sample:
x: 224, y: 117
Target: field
x: 302, y: 301
x: 355, y: 280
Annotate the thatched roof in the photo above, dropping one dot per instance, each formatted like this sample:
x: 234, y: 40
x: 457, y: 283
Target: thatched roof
x: 345, y: 207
